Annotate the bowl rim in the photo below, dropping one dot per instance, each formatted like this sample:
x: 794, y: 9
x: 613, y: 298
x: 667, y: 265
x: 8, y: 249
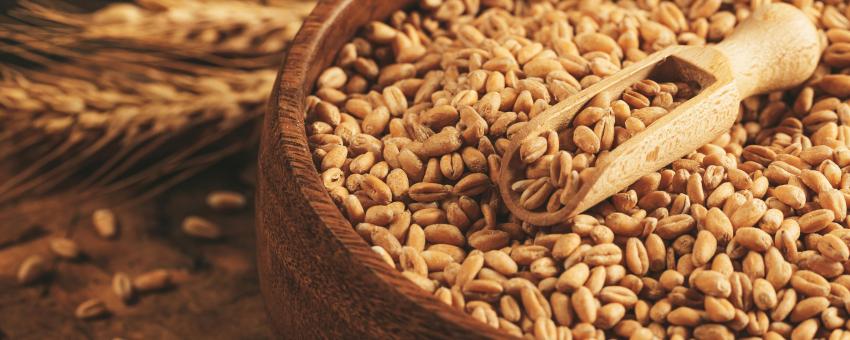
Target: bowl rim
x: 286, y: 107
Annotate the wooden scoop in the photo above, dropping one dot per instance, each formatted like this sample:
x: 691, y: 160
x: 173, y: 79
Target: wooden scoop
x: 776, y: 48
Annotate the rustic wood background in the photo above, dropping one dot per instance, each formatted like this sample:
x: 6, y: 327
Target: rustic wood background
x: 216, y: 295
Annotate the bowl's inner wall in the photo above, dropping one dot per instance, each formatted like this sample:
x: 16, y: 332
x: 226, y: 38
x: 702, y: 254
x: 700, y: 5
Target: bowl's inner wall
x: 319, y: 278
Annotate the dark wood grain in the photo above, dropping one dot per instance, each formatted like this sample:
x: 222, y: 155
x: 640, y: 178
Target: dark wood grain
x: 318, y: 277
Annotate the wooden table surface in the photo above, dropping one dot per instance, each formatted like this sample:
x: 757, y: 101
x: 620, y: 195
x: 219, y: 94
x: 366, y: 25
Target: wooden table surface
x: 216, y: 295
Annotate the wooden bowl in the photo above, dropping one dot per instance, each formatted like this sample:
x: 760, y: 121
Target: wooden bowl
x: 318, y: 277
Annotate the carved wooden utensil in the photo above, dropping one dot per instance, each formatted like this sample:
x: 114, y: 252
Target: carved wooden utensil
x: 775, y: 48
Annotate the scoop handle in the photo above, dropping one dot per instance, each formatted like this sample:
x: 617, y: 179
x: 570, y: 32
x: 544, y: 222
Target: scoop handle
x: 775, y: 48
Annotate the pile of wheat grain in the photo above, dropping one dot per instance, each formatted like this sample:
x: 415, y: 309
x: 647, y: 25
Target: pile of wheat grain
x: 747, y: 236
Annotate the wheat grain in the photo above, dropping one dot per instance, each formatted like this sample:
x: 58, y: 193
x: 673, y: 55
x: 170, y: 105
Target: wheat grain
x: 151, y: 281
x: 226, y: 200
x: 745, y: 236
x: 64, y: 247
x: 201, y: 228
x: 32, y: 269
x: 90, y: 309
x: 105, y: 223
x: 122, y: 286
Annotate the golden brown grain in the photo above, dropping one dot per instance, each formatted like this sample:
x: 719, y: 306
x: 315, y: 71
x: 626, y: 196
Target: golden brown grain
x: 151, y: 281
x: 199, y: 227
x: 64, y: 247
x: 122, y: 286
x: 727, y: 241
x: 105, y: 223
x: 90, y: 309
x: 33, y: 268
x: 230, y: 200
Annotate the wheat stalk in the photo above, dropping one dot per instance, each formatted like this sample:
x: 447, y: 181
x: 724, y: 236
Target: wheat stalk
x: 215, y: 30
x: 133, y: 95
